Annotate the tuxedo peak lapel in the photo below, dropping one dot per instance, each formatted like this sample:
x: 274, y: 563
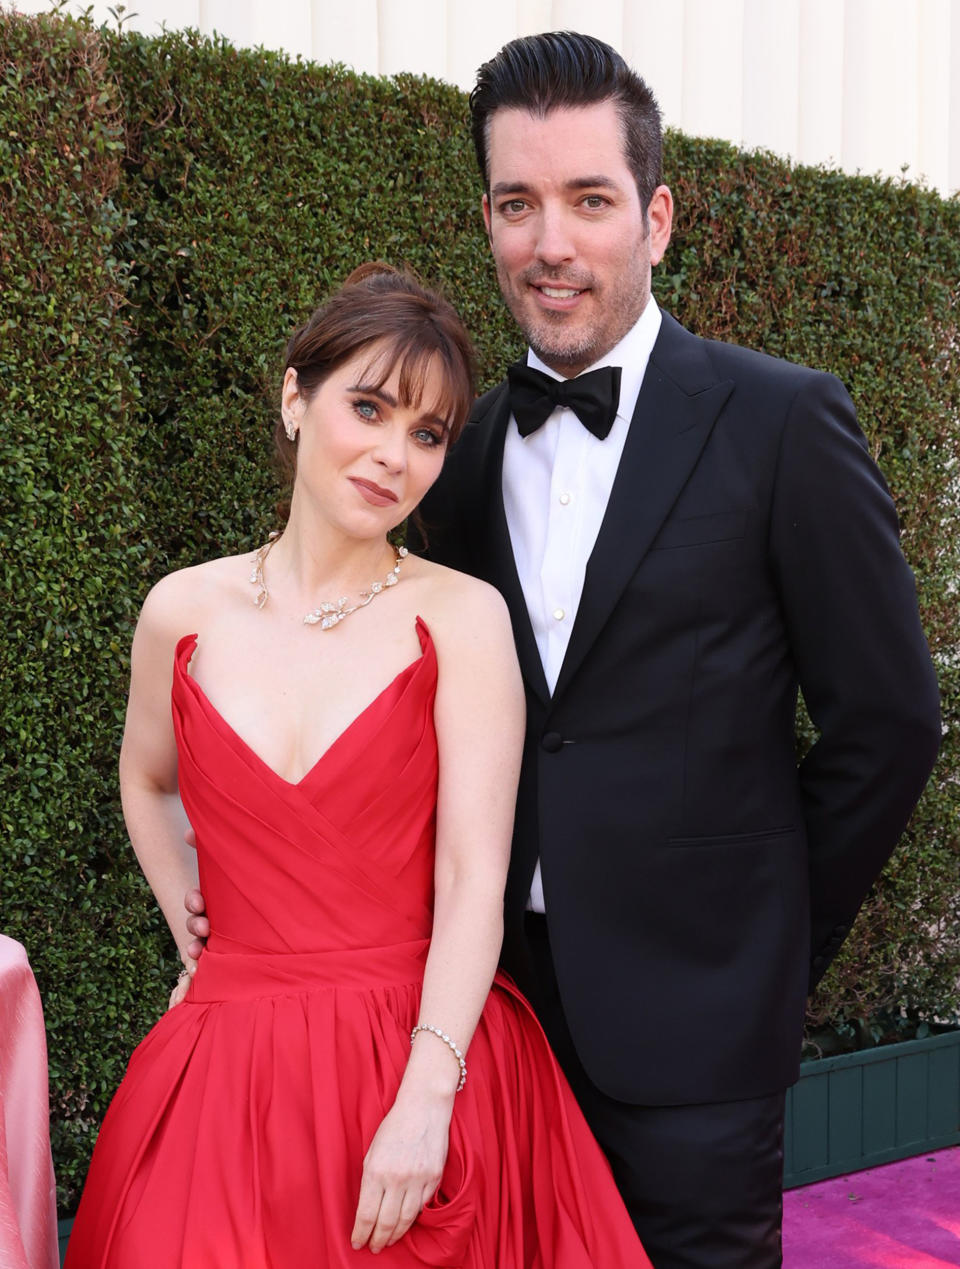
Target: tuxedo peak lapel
x: 680, y: 399
x: 493, y: 536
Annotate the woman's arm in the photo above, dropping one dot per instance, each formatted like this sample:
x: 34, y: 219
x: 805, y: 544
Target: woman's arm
x: 479, y: 717
x: 152, y: 809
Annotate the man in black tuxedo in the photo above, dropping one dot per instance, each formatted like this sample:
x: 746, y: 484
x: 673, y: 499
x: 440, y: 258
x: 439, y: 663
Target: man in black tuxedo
x: 677, y: 882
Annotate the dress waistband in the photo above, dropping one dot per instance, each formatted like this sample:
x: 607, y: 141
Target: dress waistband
x: 241, y: 975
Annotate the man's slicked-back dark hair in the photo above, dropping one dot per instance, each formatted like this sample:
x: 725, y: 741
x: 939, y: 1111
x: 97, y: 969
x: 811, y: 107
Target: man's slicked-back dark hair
x: 557, y: 69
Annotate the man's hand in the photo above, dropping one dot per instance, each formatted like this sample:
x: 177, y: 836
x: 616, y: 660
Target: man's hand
x: 182, y: 985
x: 197, y: 923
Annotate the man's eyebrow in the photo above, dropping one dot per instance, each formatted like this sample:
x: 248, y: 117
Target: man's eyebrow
x: 593, y: 182
x: 509, y: 187
x: 597, y: 181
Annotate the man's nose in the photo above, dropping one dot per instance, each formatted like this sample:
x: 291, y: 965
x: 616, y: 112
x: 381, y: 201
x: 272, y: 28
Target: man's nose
x: 554, y: 237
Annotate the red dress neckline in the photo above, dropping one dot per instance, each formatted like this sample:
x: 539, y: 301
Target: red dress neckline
x: 187, y: 645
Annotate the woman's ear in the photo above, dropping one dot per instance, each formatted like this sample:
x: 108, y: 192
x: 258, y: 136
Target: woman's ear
x: 291, y: 403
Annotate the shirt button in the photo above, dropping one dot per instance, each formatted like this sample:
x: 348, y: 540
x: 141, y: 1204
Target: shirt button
x: 564, y: 500
x: 559, y: 614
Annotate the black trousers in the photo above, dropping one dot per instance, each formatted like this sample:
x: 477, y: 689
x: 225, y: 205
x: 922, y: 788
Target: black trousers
x: 702, y: 1183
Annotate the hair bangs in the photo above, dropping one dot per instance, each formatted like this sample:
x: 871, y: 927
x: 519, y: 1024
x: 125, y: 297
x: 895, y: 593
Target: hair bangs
x: 413, y: 355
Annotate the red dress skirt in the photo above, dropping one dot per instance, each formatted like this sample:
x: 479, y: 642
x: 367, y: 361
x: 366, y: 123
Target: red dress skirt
x: 237, y: 1137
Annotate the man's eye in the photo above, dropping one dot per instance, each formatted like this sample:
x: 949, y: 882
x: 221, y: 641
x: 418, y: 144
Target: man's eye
x: 595, y: 200
x: 514, y: 206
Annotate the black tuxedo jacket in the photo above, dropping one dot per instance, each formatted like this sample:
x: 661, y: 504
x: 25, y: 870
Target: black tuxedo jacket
x: 695, y: 877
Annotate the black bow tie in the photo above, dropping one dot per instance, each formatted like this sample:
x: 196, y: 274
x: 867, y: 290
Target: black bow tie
x: 592, y: 397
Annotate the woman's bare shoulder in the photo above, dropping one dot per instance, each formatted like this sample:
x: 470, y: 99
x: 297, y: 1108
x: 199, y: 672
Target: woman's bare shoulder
x: 461, y: 610
x: 178, y: 602
x: 458, y: 597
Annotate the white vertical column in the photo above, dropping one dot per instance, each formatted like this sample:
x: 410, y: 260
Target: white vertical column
x: 953, y: 119
x: 713, y: 69
x: 533, y: 16
x: 820, y: 88
x: 345, y: 33
x: 231, y: 18
x: 153, y: 15
x: 285, y: 24
x: 475, y: 33
x: 933, y: 125
x: 600, y: 18
x: 412, y: 36
x: 881, y: 63
x: 771, y: 75
x: 653, y: 45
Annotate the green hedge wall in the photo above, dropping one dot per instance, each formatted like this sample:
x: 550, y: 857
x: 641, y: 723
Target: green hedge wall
x: 169, y: 209
x: 74, y: 534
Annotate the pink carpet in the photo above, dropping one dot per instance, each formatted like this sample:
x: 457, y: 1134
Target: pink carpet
x: 901, y: 1216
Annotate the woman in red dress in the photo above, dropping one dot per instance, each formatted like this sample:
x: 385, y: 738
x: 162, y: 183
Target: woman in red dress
x: 344, y: 734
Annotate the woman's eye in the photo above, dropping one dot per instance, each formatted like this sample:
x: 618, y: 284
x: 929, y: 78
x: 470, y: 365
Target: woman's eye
x: 366, y: 409
x: 426, y: 436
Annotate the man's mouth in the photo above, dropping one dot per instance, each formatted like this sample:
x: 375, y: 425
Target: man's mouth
x: 559, y: 292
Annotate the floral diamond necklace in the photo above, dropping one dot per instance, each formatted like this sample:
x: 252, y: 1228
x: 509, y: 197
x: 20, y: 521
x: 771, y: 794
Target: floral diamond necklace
x: 327, y: 614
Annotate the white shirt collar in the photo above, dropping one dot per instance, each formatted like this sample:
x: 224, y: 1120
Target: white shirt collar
x: 631, y: 353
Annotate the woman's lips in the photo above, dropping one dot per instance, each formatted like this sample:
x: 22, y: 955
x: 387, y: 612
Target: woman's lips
x: 373, y: 493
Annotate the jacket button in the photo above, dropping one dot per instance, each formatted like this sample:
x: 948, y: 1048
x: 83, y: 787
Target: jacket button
x: 552, y: 742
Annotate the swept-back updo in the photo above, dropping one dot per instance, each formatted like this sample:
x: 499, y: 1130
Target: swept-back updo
x: 404, y: 325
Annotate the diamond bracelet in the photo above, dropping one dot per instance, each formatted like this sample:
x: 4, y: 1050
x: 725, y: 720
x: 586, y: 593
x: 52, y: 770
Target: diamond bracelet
x: 442, y: 1035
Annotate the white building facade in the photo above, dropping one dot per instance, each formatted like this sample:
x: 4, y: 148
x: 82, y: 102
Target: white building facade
x: 864, y: 85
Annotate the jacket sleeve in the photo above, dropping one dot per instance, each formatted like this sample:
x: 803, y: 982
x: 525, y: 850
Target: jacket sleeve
x: 862, y: 660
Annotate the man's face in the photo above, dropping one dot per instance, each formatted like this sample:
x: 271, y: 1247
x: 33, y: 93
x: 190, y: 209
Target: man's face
x: 572, y: 249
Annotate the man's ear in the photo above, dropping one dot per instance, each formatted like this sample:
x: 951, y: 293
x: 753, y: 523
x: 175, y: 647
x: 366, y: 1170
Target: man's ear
x: 485, y: 205
x: 660, y: 222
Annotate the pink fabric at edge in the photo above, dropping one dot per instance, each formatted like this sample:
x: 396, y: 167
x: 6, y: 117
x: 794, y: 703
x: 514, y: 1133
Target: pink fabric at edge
x: 28, y: 1214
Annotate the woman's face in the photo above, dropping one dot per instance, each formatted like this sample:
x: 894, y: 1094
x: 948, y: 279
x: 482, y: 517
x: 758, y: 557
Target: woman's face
x: 364, y: 458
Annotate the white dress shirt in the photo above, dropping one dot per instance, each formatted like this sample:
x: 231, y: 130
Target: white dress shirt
x: 556, y: 486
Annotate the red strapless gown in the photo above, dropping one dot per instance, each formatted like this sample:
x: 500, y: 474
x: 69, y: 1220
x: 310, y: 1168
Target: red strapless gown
x: 237, y: 1136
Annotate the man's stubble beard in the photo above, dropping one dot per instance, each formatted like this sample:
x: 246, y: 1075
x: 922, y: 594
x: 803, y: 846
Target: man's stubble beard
x: 572, y: 352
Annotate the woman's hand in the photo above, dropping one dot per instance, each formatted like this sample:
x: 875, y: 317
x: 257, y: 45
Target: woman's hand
x: 402, y: 1169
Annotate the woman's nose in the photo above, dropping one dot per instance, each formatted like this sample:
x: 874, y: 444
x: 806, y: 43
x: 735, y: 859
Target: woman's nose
x: 391, y: 449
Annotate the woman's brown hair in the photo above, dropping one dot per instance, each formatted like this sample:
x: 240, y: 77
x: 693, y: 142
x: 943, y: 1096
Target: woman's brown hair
x: 405, y: 325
